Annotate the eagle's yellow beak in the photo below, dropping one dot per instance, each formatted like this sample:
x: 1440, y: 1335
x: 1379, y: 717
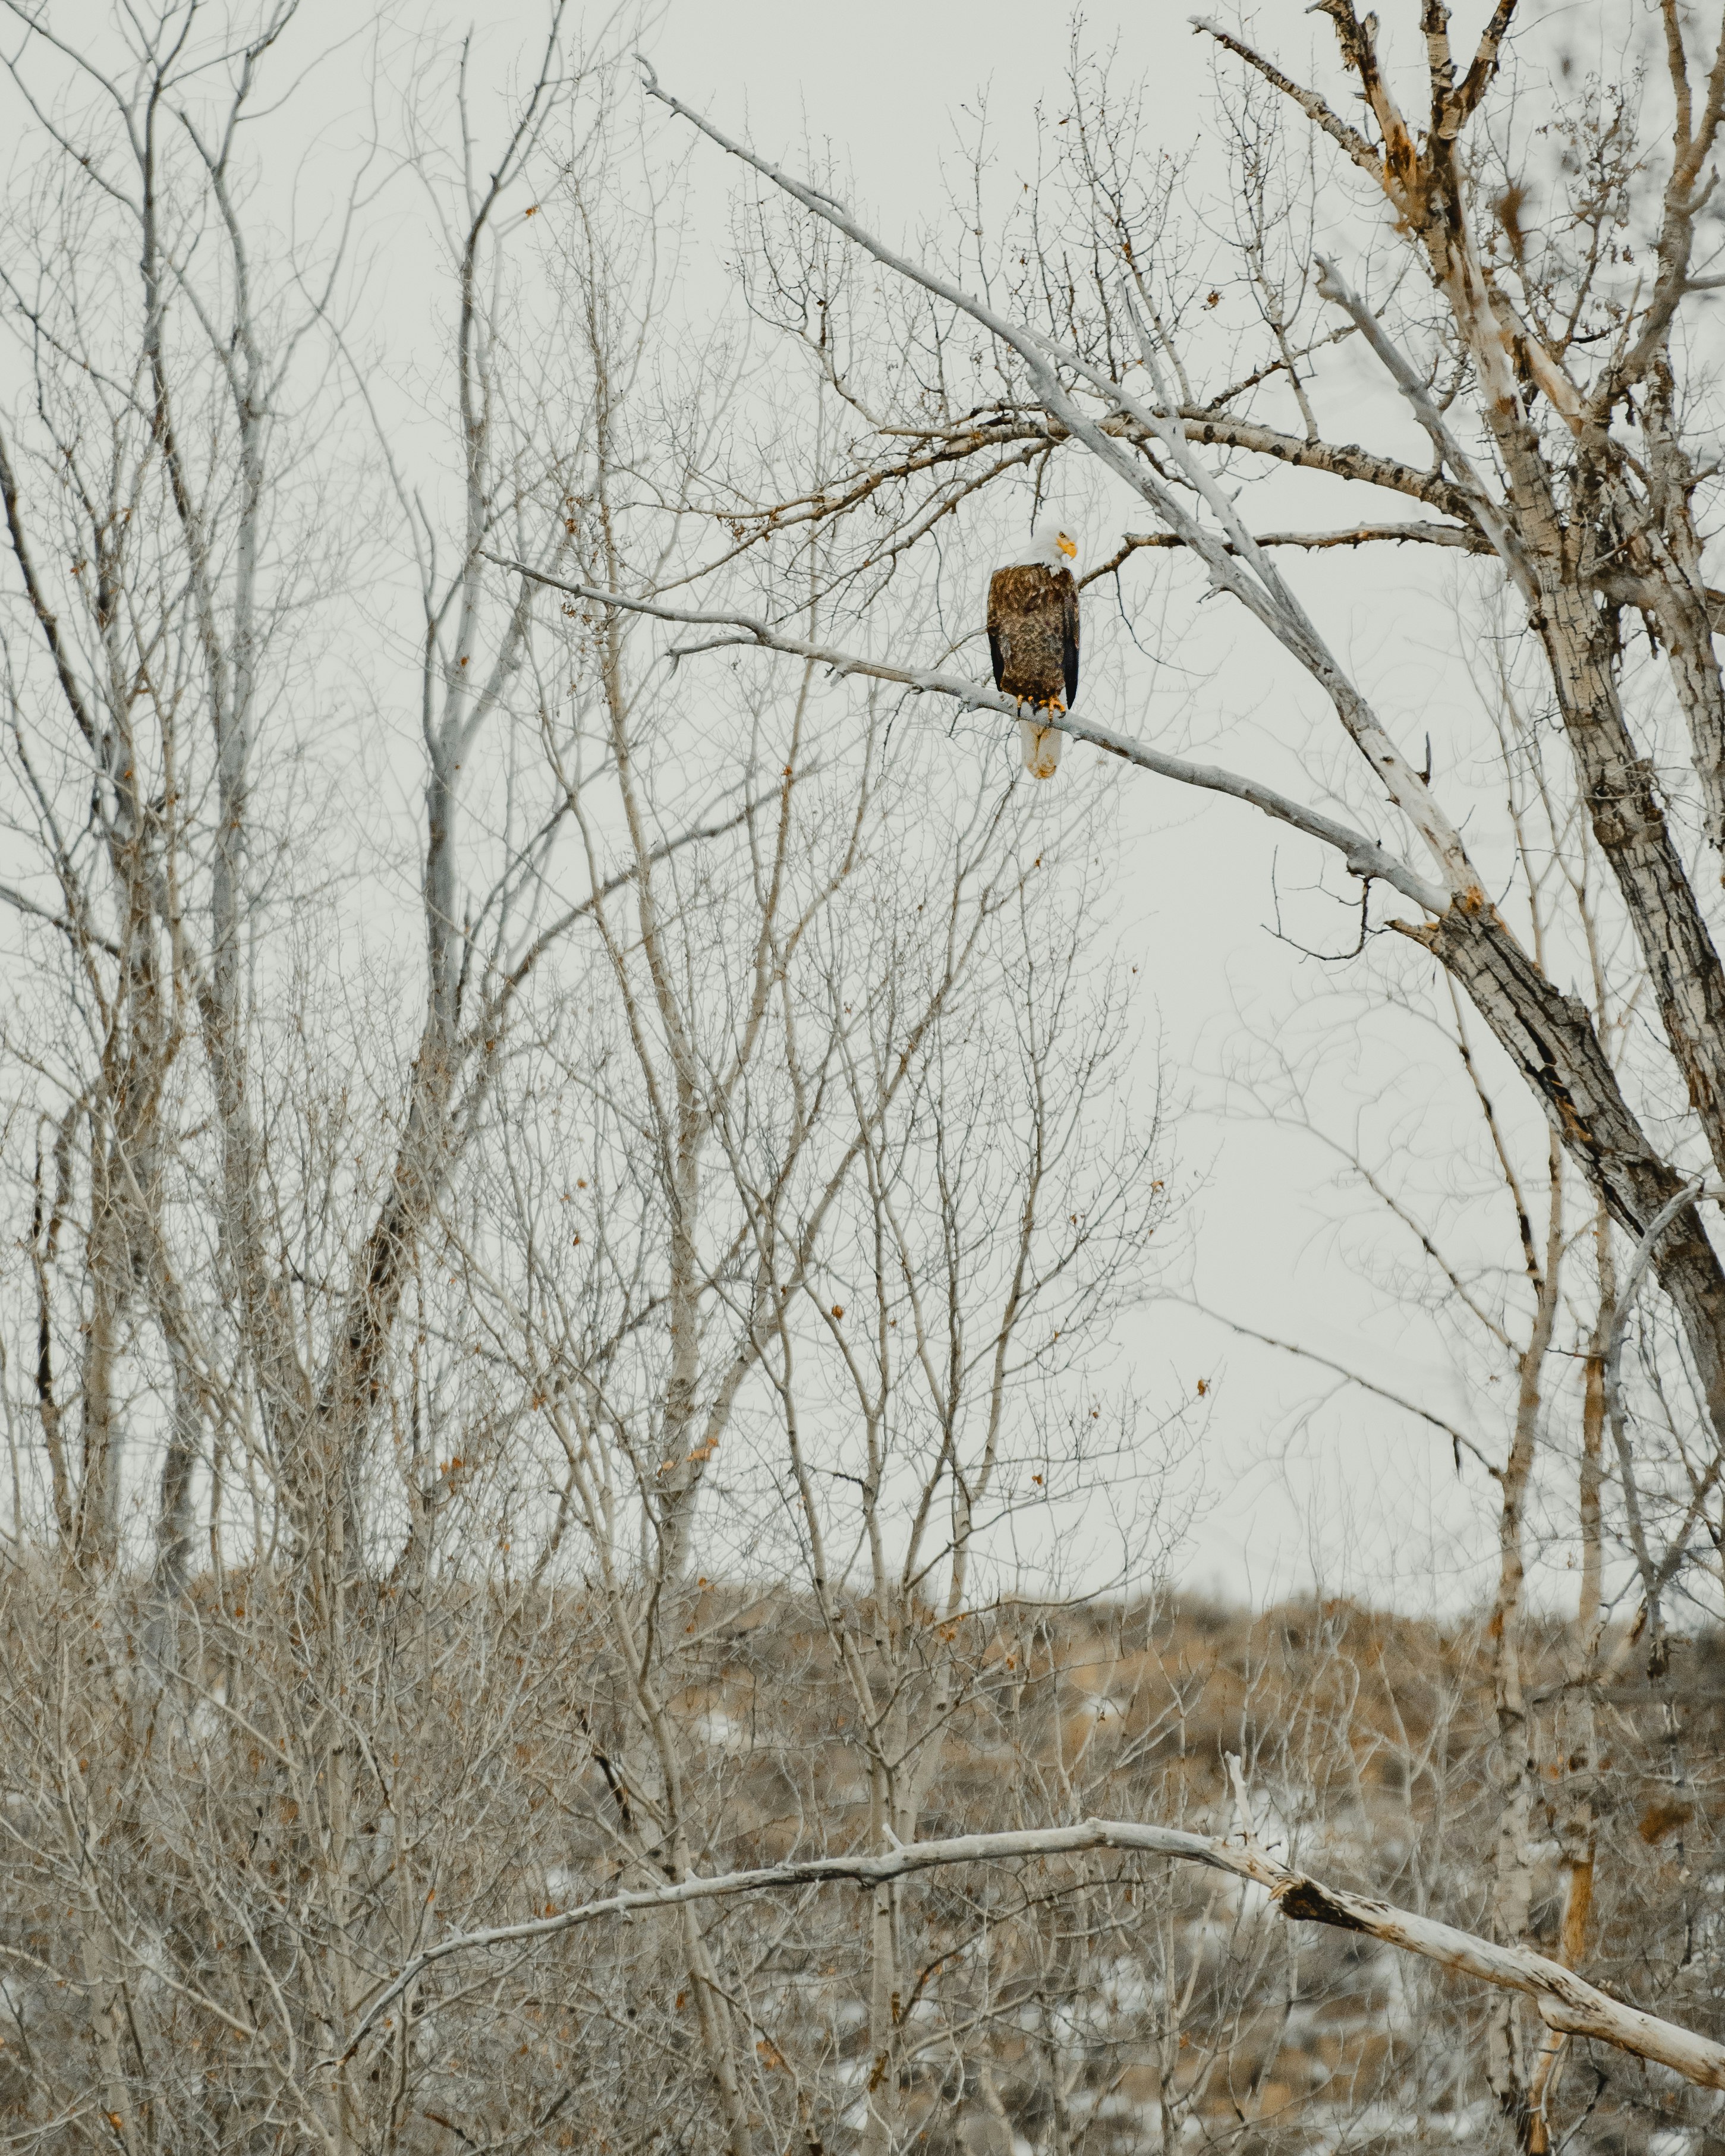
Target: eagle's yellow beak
x: 1069, y: 547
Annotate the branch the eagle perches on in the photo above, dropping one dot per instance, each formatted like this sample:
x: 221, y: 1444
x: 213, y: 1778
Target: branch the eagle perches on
x: 1565, y: 2002
x: 1363, y: 856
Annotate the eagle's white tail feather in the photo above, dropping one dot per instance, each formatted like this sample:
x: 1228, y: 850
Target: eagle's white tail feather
x: 1041, y: 747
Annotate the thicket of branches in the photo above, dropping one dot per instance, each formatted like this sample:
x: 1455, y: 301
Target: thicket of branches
x: 575, y: 1167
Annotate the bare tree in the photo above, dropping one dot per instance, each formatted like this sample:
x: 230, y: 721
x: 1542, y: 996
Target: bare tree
x: 1540, y: 344
x: 583, y: 1562
x: 233, y: 1184
x: 297, y: 1638
x: 1521, y: 464
x: 1540, y: 1332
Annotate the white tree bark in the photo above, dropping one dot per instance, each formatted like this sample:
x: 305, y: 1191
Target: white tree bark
x: 1565, y: 2001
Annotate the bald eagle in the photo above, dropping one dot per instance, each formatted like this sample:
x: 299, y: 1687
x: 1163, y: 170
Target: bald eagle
x: 1033, y: 635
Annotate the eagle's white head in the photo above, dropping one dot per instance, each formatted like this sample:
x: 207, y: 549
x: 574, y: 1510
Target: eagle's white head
x: 1052, y: 546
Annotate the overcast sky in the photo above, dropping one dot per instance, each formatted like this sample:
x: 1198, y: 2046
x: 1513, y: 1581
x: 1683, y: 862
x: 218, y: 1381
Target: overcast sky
x: 1302, y: 1483
x: 1359, y: 1496
x: 1354, y: 1496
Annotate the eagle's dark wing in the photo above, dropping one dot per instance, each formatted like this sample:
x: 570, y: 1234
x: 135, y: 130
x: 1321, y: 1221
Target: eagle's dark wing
x: 1069, y: 653
x: 999, y: 607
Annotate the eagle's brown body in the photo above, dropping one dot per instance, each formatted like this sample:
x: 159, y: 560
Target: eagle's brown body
x: 1033, y: 632
x: 1032, y: 636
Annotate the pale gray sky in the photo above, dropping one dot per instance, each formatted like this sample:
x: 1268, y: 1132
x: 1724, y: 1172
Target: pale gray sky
x: 1356, y: 1495
x: 1362, y: 1496
x: 1302, y: 1483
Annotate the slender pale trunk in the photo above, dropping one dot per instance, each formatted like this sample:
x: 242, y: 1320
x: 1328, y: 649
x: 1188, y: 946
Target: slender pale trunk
x: 45, y: 1224
x: 86, y: 1773
x: 1508, y: 2068
x: 174, y: 1520
x: 718, y: 2040
x: 718, y: 2036
x: 1577, y: 1816
x: 886, y: 1821
x: 346, y: 2124
x: 98, y: 1496
x: 107, y: 2025
x: 681, y: 1469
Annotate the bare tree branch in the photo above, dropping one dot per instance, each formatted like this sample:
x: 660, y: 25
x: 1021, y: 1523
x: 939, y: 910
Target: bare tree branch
x: 1563, y: 2000
x: 1363, y: 856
